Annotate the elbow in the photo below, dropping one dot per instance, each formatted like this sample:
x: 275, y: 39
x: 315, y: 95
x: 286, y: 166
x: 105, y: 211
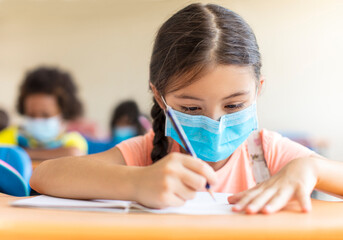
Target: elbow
x: 37, y: 181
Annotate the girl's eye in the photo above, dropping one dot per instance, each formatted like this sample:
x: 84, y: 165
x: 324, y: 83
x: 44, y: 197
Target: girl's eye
x: 234, y: 106
x: 189, y: 109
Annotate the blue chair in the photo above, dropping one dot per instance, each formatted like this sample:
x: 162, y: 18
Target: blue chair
x: 95, y: 146
x: 15, y: 180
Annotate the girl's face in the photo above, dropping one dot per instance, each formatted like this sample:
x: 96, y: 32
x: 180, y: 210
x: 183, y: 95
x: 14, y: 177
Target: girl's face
x: 226, y: 89
x: 123, y: 121
x: 41, y: 106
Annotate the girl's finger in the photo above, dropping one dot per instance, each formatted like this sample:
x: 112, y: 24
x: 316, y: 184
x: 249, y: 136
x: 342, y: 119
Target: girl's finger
x: 183, y: 191
x: 304, y: 200
x: 176, y: 201
x: 260, y: 201
x: 279, y: 200
x: 200, y: 167
x: 193, y: 180
x: 169, y: 200
x: 245, y: 200
x: 238, y: 196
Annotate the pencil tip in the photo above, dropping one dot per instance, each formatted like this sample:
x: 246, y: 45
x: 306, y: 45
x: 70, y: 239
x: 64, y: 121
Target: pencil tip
x: 211, y: 193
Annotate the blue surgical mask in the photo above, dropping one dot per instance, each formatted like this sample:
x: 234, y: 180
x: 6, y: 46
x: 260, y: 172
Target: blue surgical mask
x: 214, y: 140
x: 43, y: 129
x: 123, y: 133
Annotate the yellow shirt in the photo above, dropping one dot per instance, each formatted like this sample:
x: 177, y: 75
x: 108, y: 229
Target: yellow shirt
x: 12, y: 136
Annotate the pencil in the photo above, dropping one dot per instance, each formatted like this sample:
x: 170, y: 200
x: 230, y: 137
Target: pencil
x: 182, y: 135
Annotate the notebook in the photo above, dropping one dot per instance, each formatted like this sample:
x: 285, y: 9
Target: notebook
x: 202, y: 204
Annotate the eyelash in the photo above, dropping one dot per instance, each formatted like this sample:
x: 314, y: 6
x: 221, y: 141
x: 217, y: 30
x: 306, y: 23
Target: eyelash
x: 189, y: 109
x: 235, y: 106
x: 194, y: 109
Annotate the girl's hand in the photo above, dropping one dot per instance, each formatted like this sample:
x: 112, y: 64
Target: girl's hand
x: 296, y: 180
x: 172, y: 180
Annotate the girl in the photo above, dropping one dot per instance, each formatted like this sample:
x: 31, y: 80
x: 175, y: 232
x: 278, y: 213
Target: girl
x: 47, y: 99
x: 206, y: 66
x: 126, y: 122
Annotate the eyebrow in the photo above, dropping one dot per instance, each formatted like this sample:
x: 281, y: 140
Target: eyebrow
x: 237, y: 94
x: 183, y: 96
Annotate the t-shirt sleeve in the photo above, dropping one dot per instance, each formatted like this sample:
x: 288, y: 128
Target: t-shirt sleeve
x: 278, y: 150
x: 8, y: 136
x: 136, y: 151
x: 74, y: 139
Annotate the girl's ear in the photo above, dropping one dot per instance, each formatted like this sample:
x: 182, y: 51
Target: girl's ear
x: 157, y: 96
x: 260, y: 85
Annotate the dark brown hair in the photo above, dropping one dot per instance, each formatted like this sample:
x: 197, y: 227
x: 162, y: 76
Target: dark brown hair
x: 189, y: 43
x: 130, y: 110
x: 54, y: 82
x: 4, y: 119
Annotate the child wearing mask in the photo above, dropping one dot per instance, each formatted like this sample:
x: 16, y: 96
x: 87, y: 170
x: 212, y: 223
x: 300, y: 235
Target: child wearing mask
x: 47, y: 100
x: 126, y: 122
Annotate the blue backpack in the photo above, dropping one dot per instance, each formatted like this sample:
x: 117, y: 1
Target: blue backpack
x: 15, y: 171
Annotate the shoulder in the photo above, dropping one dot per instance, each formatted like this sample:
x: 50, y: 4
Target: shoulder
x: 274, y: 141
x: 136, y: 151
x: 279, y: 150
x: 269, y: 138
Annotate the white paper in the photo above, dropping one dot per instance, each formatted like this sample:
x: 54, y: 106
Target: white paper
x: 54, y: 202
x: 202, y: 204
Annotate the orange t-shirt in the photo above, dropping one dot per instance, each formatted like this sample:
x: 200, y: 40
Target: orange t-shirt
x: 236, y: 175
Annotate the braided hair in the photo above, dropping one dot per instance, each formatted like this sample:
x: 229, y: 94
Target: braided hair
x: 188, y: 44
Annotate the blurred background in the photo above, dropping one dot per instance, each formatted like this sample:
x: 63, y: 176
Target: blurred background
x: 106, y: 46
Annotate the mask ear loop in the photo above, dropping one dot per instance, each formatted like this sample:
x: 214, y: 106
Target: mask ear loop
x: 256, y: 95
x: 165, y: 103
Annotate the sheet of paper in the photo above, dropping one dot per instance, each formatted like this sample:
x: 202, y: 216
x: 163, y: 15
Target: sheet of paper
x: 53, y: 202
x: 202, y: 204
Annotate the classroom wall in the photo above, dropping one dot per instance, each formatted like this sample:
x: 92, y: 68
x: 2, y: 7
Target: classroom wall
x: 107, y: 44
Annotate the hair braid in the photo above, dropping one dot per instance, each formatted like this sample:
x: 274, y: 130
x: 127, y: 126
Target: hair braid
x: 160, y: 142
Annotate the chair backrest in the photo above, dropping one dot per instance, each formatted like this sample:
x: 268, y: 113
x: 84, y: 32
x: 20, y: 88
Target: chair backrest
x: 97, y: 146
x: 18, y: 159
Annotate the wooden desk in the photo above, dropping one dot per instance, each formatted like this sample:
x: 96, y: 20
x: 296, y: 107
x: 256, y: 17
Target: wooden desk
x: 324, y: 222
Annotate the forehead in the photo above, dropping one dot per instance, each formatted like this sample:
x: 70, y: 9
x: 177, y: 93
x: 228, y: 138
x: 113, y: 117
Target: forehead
x: 221, y: 81
x: 41, y: 101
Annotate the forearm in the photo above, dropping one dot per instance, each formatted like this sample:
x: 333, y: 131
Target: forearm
x: 44, y: 154
x: 330, y: 176
x: 84, y: 178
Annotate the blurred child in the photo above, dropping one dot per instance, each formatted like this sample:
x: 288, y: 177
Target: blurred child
x: 47, y: 99
x: 127, y: 122
x: 87, y: 128
x: 4, y: 119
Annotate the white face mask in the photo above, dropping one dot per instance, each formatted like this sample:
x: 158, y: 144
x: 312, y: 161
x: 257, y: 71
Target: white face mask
x: 43, y: 129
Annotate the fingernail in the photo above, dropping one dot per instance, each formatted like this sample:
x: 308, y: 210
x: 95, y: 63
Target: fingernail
x: 268, y: 208
x: 237, y: 207
x: 252, y: 208
x: 307, y: 208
